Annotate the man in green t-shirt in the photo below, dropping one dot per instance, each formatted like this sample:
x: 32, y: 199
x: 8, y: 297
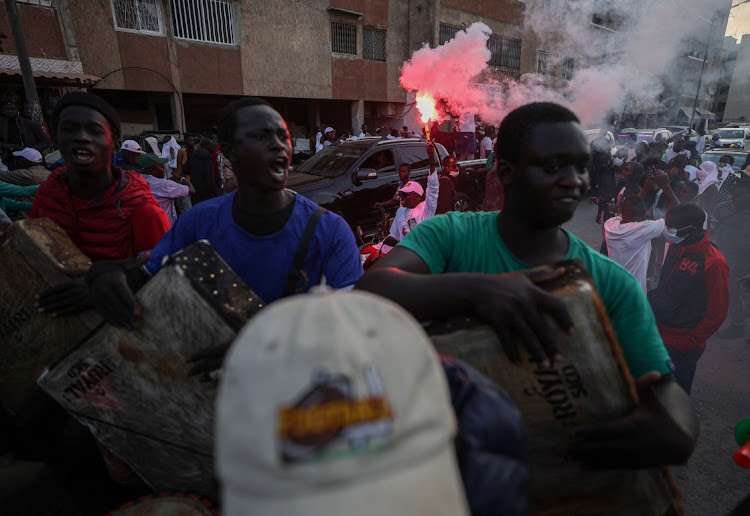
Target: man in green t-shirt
x: 477, y: 263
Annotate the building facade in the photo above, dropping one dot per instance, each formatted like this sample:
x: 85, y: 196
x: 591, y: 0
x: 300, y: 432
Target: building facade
x: 172, y: 64
x: 737, y: 107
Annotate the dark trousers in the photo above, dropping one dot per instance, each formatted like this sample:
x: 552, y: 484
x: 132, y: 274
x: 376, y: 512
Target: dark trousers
x: 685, y: 364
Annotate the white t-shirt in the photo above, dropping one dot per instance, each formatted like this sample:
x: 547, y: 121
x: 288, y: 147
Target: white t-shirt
x: 629, y: 244
x: 485, y: 148
x: 406, y: 218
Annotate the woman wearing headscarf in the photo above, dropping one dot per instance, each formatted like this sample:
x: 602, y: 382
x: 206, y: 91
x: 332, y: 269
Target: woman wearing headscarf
x: 153, y: 145
x: 708, y: 188
x: 170, y: 150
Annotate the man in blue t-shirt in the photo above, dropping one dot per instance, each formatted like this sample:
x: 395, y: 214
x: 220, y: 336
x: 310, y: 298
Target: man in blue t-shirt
x: 476, y: 263
x: 257, y: 229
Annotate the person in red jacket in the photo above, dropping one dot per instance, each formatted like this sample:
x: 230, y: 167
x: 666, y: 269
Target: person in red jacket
x: 692, y: 298
x: 108, y: 213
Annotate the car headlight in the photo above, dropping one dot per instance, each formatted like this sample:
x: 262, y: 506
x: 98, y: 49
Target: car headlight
x: 364, y: 257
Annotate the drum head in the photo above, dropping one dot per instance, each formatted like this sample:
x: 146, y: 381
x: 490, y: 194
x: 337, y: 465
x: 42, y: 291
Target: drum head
x: 168, y: 504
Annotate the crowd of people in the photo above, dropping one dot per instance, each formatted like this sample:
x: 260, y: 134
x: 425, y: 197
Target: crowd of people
x: 677, y: 223
x: 403, y: 431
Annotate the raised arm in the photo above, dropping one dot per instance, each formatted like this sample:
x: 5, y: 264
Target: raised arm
x: 662, y: 181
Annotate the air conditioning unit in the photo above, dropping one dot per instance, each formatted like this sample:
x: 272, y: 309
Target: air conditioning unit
x: 386, y: 109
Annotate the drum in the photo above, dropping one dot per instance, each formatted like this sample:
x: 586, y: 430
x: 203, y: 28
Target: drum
x: 591, y: 384
x: 167, y: 504
x: 133, y: 388
x: 29, y: 341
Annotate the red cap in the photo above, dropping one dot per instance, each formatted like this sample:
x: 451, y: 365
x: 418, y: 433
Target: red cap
x: 742, y: 457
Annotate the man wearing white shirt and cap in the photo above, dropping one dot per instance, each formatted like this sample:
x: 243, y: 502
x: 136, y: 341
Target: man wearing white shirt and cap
x: 131, y: 154
x: 31, y: 170
x: 329, y: 137
x: 413, y: 210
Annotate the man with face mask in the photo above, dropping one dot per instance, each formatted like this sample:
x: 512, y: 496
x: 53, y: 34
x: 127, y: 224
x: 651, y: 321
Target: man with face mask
x: 692, y: 298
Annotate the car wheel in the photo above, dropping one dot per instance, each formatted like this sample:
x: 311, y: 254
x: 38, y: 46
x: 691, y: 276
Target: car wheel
x: 462, y: 203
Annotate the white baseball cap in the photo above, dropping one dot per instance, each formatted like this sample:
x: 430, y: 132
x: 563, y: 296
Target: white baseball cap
x: 330, y: 129
x: 30, y: 154
x: 336, y: 403
x: 412, y: 186
x: 132, y: 146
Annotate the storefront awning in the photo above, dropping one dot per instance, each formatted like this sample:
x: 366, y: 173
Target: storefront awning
x: 78, y: 79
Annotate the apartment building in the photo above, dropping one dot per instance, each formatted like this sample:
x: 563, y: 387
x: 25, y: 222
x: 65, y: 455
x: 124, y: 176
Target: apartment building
x: 172, y: 64
x: 737, y: 108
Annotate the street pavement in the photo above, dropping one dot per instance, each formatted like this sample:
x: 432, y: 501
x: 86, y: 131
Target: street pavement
x: 712, y: 484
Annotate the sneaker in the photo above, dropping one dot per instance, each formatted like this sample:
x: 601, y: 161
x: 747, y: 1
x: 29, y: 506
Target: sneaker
x: 734, y: 331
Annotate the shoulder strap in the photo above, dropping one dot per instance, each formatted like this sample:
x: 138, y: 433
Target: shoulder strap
x: 295, y: 273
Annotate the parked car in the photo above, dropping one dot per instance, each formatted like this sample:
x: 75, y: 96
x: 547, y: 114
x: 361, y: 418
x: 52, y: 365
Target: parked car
x: 348, y: 178
x: 647, y: 135
x: 715, y: 155
x: 732, y: 137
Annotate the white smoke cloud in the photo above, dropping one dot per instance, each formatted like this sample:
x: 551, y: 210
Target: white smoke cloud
x: 653, y: 37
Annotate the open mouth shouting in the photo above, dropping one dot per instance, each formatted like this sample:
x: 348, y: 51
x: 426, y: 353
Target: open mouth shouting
x: 280, y: 167
x: 81, y: 156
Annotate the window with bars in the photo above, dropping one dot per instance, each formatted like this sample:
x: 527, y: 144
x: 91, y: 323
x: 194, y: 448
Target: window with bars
x: 210, y: 21
x: 447, y: 32
x: 42, y: 3
x: 506, y: 53
x: 373, y: 44
x: 568, y: 68
x: 542, y: 62
x: 343, y: 38
x: 138, y: 15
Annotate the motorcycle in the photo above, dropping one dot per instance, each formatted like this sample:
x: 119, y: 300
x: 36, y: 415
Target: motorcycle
x: 375, y: 246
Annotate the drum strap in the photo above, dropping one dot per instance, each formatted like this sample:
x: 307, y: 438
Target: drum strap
x: 295, y: 273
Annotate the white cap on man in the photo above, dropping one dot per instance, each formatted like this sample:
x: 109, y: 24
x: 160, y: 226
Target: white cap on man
x: 30, y: 154
x: 336, y: 403
x: 329, y: 129
x: 132, y: 146
x: 412, y: 186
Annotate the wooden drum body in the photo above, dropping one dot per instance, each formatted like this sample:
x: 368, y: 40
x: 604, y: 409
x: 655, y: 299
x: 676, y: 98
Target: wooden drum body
x: 591, y: 384
x: 30, y: 341
x: 132, y: 388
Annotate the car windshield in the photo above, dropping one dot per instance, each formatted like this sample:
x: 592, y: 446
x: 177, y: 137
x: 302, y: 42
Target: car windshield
x: 731, y: 134
x: 331, y: 161
x: 739, y: 159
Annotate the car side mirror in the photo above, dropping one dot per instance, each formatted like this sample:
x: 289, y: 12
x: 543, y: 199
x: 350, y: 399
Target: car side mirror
x: 365, y: 174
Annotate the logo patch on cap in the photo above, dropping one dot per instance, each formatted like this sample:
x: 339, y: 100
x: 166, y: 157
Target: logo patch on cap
x: 329, y: 421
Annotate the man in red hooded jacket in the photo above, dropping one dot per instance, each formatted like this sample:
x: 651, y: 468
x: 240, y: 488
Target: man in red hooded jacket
x: 692, y: 299
x: 110, y: 214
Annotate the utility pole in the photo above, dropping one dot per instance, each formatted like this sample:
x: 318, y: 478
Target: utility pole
x: 23, y: 60
x: 703, y: 68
